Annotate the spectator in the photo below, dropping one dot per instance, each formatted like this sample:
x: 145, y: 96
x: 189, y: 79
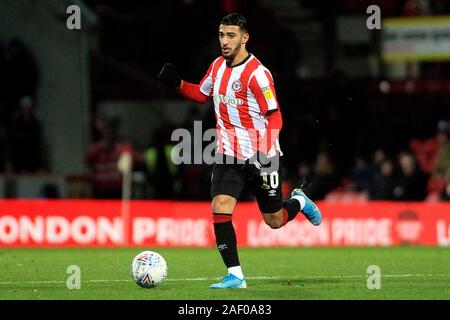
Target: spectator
x: 441, y: 170
x: 378, y: 158
x: 195, y: 176
x: 20, y: 71
x: 382, y: 183
x: 304, y: 173
x: 50, y: 191
x: 25, y: 139
x: 323, y: 179
x: 425, y: 151
x: 163, y: 174
x: 415, y: 8
x: 102, y: 159
x: 4, y: 113
x: 304, y: 176
x: 3, y: 144
x: 411, y: 183
x: 360, y: 175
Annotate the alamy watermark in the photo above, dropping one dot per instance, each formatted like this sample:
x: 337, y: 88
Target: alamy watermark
x: 374, y: 20
x: 74, y: 279
x: 73, y: 22
x: 374, y: 277
x: 199, y: 147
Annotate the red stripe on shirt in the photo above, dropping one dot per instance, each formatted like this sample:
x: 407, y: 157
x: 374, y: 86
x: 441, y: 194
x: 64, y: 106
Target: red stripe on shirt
x: 192, y: 92
x: 244, y: 110
x: 229, y: 128
x: 217, y: 64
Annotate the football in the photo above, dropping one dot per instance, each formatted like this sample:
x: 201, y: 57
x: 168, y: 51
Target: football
x: 149, y: 269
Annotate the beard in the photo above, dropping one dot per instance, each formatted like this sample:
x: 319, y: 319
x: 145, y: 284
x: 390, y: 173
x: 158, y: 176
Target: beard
x: 230, y: 56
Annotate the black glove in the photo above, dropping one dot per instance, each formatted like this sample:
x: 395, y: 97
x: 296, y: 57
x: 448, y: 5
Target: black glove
x: 169, y: 76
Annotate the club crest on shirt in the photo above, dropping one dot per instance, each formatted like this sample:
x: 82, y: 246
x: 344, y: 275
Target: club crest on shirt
x: 236, y: 86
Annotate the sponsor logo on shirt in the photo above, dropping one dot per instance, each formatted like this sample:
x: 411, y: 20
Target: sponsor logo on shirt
x: 220, y: 98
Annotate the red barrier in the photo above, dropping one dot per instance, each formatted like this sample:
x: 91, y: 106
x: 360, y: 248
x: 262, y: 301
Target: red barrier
x: 164, y: 223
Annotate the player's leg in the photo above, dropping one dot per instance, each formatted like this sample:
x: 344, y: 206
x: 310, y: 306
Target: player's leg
x: 309, y: 209
x: 223, y: 208
x: 298, y: 202
x: 226, y: 186
x: 277, y: 212
x: 267, y: 188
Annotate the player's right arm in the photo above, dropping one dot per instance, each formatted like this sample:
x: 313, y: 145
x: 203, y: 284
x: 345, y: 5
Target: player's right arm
x: 199, y: 93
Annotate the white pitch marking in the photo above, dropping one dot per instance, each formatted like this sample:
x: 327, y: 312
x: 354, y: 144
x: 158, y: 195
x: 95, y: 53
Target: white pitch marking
x: 248, y: 278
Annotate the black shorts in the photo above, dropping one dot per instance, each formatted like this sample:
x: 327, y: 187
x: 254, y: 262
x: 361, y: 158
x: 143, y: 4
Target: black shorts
x: 231, y: 179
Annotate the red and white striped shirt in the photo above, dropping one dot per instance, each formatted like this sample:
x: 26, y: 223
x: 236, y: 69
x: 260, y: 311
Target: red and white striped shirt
x: 244, y: 97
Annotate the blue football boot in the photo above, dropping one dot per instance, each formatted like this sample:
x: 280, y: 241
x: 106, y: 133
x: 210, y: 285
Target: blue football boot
x: 310, y: 211
x: 230, y: 281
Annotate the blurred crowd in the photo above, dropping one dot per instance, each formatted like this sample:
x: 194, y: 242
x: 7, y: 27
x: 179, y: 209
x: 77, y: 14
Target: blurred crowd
x: 422, y: 172
x: 336, y: 139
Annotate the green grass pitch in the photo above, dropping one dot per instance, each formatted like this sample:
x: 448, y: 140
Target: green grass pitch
x: 272, y: 273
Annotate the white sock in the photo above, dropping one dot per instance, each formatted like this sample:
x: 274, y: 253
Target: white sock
x: 237, y: 271
x: 300, y: 199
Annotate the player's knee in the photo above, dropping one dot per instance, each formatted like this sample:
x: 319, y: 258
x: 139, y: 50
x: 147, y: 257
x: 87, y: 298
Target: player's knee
x: 222, y: 204
x: 274, y: 225
x: 273, y: 222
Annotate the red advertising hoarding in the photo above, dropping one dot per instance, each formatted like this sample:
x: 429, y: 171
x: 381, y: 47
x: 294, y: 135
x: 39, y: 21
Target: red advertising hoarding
x: 163, y: 223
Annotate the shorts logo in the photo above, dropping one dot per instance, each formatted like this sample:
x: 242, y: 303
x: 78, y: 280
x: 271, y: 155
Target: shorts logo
x: 236, y: 86
x: 272, y: 193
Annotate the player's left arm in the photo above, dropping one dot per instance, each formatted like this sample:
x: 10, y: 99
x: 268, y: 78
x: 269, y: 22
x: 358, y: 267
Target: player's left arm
x: 194, y: 92
x: 263, y: 88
